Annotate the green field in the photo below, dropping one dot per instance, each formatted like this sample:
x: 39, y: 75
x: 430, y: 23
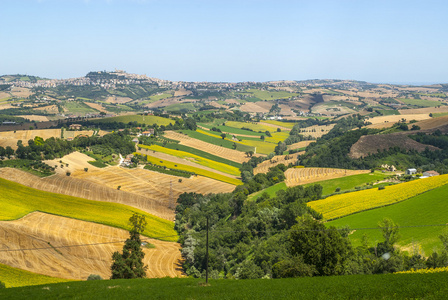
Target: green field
x: 198, y: 171
x: 420, y: 102
x: 232, y: 130
x: 389, y: 286
x: 254, y: 126
x: 436, y: 115
x: 78, y: 108
x: 13, y: 277
x: 197, y: 159
x: 208, y: 137
x: 158, y: 97
x: 180, y: 107
x: 389, y: 112
x: 17, y: 200
x: 148, y: 120
x: 429, y: 208
x: 272, y: 190
x: 269, y: 95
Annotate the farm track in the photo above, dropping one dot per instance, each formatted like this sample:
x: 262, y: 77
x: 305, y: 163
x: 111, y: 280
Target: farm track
x: 40, y: 230
x: 226, y: 153
x: 299, y: 176
x: 276, y: 160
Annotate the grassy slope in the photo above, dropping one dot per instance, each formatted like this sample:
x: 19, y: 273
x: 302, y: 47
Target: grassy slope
x: 272, y: 190
x: 198, y: 171
x: 13, y: 277
x: 254, y: 126
x: 232, y: 130
x: 396, y: 286
x: 213, y: 139
x: 197, y: 159
x: 149, y: 120
x: 345, y: 204
x: 17, y: 200
x: 425, y: 209
x: 420, y: 102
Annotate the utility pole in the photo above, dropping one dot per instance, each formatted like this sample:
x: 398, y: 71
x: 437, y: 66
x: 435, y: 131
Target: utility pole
x: 206, y: 256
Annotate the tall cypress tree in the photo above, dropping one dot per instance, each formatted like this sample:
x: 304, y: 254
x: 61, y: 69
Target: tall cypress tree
x: 129, y: 264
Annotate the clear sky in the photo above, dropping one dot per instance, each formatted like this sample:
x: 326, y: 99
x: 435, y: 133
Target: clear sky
x: 226, y: 40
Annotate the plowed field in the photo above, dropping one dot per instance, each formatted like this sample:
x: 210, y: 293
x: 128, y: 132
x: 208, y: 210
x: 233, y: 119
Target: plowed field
x: 50, y: 233
x: 226, y: 153
x: 299, y: 176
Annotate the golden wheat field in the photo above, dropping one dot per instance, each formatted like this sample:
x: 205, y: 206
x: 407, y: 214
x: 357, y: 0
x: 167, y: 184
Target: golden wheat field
x: 276, y: 160
x: 10, y: 138
x: 345, y: 204
x: 299, y: 144
x: 50, y: 233
x: 299, y: 176
x: 226, y: 153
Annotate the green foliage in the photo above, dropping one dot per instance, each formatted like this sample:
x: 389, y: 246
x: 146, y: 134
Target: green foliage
x: 129, y: 264
x: 94, y: 277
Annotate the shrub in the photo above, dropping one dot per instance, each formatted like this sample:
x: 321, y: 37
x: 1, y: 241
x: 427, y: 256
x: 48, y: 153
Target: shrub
x: 382, y: 187
x: 2, y: 285
x: 94, y: 277
x: 68, y: 173
x: 338, y: 189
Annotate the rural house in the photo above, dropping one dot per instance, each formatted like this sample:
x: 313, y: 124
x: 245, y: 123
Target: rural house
x: 430, y: 173
x: 75, y: 127
x: 149, y: 132
x: 411, y: 171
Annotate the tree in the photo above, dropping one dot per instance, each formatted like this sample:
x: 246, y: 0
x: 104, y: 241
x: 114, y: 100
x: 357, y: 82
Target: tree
x: 223, y: 136
x: 390, y: 234
x: 129, y: 264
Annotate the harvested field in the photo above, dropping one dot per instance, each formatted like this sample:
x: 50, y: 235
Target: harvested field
x: 76, y: 163
x: 9, y: 138
x: 182, y: 92
x: 155, y: 203
x: 432, y: 123
x: 226, y: 153
x: 369, y: 144
x: 299, y: 176
x: 48, y: 108
x: 276, y: 160
x: 316, y: 131
x: 425, y: 110
x: 274, y: 126
x: 170, y: 101
x: 96, y: 106
x: 50, y: 233
x: 299, y: 145
x: 21, y: 92
x: 35, y: 118
x: 75, y: 133
x: 396, y: 118
x: 255, y: 107
x: 118, y: 100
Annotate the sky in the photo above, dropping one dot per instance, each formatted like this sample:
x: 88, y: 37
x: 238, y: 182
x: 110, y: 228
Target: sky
x: 245, y: 40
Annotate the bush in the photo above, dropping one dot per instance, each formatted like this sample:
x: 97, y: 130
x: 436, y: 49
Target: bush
x: 94, y: 277
x: 68, y: 173
x: 382, y: 187
x: 2, y: 285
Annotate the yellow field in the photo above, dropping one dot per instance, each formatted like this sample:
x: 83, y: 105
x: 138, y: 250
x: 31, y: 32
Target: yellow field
x: 277, y: 137
x: 197, y: 159
x: 299, y: 176
x: 280, y: 124
x: 345, y: 204
x: 18, y: 200
x: 13, y: 277
x: 91, y: 251
x: 197, y: 171
x: 230, y: 154
x: 254, y: 126
x: 261, y: 147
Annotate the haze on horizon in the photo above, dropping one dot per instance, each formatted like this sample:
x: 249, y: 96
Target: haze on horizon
x: 247, y: 40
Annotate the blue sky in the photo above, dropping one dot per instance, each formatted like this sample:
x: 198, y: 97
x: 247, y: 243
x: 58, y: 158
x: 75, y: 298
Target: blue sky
x: 245, y: 40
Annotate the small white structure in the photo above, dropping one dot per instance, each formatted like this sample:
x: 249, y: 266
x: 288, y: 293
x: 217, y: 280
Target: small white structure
x: 411, y: 171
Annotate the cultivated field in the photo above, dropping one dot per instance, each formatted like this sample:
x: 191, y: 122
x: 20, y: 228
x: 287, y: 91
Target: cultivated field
x: 424, y: 110
x: 51, y: 233
x: 299, y: 176
x: 316, y: 131
x: 13, y: 277
x: 345, y: 204
x: 432, y: 123
x: 48, y: 108
x: 226, y: 153
x: 35, y: 118
x: 254, y: 126
x: 154, y: 203
x: 149, y: 120
x: 76, y: 163
x: 10, y: 138
x: 276, y: 160
x: 277, y: 124
x: 299, y: 145
x: 388, y: 121
x: 96, y: 106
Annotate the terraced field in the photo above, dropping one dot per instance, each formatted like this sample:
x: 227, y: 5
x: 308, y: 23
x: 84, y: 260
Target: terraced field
x: 345, y: 204
x: 276, y: 160
x: 50, y: 233
x: 299, y: 176
x: 226, y: 153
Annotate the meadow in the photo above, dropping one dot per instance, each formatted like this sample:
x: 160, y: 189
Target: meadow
x: 396, y: 286
x: 423, y: 210
x: 18, y: 200
x: 420, y: 102
x: 198, y: 171
x: 14, y: 277
x: 197, y: 159
x: 345, y: 204
x: 78, y: 108
x: 215, y: 140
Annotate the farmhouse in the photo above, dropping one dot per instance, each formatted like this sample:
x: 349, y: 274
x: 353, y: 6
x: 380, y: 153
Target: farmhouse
x: 149, y: 132
x: 135, y: 140
x: 75, y: 127
x: 430, y: 173
x: 411, y: 171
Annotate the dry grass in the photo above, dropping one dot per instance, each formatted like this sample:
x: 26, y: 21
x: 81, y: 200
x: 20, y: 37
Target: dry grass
x: 299, y: 176
x: 226, y: 153
x: 49, y: 108
x: 76, y: 163
x: 182, y: 92
x: 395, y: 118
x: 424, y: 110
x: 21, y: 92
x: 299, y: 145
x: 35, y: 118
x: 433, y: 123
x: 255, y: 107
x: 316, y: 131
x: 276, y: 160
x: 50, y: 232
x: 9, y: 138
x: 96, y: 106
